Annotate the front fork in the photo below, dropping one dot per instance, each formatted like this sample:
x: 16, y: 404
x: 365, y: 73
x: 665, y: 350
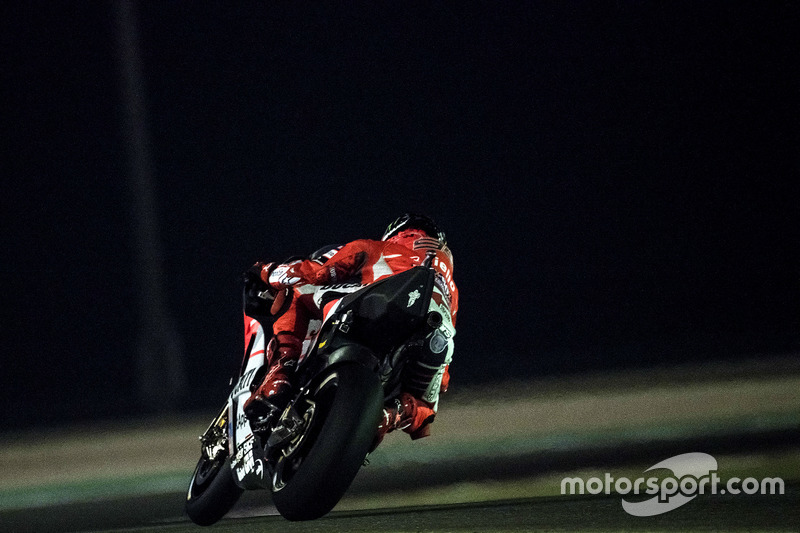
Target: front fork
x: 214, y: 441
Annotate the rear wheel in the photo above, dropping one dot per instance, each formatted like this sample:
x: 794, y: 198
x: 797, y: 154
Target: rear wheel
x: 316, y: 468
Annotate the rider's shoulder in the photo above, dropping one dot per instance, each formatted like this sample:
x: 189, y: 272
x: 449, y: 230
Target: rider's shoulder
x: 364, y: 244
x: 324, y: 253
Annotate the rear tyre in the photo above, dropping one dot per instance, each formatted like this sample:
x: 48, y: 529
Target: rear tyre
x: 311, y: 479
x: 212, y: 491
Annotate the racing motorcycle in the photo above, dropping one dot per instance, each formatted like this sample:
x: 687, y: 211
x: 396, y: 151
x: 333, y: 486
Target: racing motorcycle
x: 373, y: 341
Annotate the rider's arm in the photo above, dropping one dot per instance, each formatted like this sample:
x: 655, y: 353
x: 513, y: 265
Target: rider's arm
x: 339, y: 268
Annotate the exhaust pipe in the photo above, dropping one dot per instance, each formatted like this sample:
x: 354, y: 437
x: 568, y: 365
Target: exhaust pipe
x: 434, y: 319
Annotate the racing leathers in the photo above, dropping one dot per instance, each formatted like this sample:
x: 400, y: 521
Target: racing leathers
x: 360, y: 262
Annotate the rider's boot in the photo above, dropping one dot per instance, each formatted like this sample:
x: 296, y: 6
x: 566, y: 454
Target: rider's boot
x: 275, y: 390
x: 410, y: 414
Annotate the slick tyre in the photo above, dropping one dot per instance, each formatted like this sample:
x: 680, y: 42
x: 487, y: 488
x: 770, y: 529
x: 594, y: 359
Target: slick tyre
x: 348, y: 406
x: 212, y: 491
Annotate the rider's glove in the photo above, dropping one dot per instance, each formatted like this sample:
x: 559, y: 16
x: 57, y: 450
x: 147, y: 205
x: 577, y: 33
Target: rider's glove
x: 282, y: 276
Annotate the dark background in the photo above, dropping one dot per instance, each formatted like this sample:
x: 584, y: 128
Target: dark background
x: 618, y: 181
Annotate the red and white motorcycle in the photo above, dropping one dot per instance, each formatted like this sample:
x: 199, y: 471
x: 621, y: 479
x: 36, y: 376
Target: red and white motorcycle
x: 368, y: 346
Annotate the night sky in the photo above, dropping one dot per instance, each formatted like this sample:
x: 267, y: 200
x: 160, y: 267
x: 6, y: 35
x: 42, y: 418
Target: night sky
x: 618, y: 181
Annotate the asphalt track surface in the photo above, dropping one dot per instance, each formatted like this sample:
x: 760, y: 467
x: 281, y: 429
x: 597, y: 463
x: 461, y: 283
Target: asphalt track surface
x: 163, y: 512
x: 584, y: 513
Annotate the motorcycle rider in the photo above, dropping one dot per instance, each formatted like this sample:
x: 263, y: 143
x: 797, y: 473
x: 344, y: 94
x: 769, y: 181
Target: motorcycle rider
x: 403, y: 245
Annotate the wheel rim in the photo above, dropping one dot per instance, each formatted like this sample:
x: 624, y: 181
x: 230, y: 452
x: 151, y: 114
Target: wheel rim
x: 204, y: 474
x: 294, y: 454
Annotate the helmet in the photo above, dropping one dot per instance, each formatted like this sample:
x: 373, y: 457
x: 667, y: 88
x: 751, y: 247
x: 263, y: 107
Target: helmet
x: 414, y: 221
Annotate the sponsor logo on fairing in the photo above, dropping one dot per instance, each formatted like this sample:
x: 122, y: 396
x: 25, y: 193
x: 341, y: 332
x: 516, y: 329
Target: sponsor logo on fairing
x: 244, y: 382
x: 244, y: 459
x: 342, y: 286
x: 413, y: 297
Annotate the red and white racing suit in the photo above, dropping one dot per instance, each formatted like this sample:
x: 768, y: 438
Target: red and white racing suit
x: 362, y: 261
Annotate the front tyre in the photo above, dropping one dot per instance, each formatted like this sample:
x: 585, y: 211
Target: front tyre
x: 312, y: 478
x: 212, y: 491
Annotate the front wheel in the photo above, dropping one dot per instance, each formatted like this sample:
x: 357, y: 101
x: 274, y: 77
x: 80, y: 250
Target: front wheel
x: 212, y: 491
x: 342, y: 420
